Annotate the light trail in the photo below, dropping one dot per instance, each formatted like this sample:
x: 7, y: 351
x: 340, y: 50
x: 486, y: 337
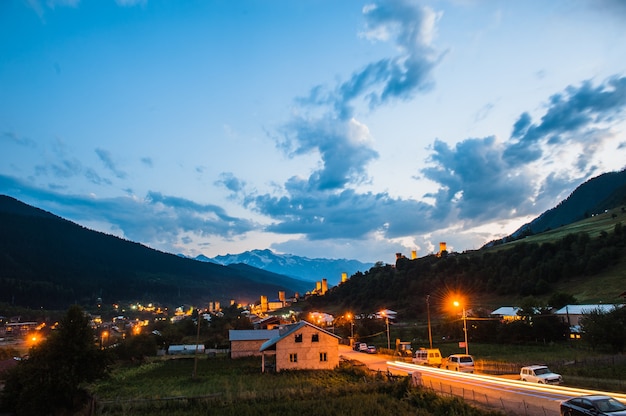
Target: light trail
x: 497, y: 381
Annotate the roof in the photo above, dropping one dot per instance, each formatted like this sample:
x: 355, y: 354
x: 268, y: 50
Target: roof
x: 581, y: 309
x: 506, y: 311
x: 290, y: 329
x: 251, y: 334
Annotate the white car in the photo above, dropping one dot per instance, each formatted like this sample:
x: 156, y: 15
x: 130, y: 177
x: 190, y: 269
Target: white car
x: 459, y: 362
x: 539, y: 374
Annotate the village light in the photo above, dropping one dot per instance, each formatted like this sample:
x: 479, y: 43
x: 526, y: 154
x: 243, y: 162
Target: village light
x: 457, y: 304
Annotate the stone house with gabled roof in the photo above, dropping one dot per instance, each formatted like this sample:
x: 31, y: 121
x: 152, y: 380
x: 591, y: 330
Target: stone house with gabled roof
x: 301, y: 346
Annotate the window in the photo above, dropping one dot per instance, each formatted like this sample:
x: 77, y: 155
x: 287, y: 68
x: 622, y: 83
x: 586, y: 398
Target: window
x: 323, y: 356
x: 315, y: 338
x: 293, y: 358
x: 298, y: 337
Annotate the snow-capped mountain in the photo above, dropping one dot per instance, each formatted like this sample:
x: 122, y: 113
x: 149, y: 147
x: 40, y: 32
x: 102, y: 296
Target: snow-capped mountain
x: 297, y: 267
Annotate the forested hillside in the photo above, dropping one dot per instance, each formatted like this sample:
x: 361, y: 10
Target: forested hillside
x: 512, y: 271
x: 49, y: 262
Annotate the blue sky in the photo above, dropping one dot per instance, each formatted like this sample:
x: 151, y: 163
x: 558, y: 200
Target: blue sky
x: 321, y: 128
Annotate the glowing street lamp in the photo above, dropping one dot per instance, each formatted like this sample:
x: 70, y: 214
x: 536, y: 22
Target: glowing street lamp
x: 350, y: 318
x: 382, y: 313
x: 457, y: 304
x: 103, y: 336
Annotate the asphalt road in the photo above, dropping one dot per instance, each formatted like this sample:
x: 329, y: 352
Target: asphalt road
x: 505, y: 393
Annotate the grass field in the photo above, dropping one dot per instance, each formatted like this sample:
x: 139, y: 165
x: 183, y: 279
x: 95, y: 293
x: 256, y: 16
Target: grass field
x: 237, y: 387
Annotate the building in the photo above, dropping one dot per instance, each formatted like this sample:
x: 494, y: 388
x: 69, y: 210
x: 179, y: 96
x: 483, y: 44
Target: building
x: 506, y: 313
x: 301, y: 346
x: 246, y: 343
x: 572, y: 314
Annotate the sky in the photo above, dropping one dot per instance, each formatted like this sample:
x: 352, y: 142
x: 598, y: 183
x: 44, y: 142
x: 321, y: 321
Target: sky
x: 319, y: 128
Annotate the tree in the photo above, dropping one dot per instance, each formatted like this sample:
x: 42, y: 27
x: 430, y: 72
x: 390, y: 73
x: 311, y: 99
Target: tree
x: 50, y: 381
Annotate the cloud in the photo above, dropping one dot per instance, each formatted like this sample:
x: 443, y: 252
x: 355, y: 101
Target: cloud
x: 481, y: 179
x: 478, y: 179
x: 325, y: 121
x: 576, y: 115
x: 17, y: 139
x: 230, y: 182
x: 157, y: 219
x: 343, y: 147
x: 347, y: 214
x: 147, y: 161
x: 131, y: 3
x: 107, y: 159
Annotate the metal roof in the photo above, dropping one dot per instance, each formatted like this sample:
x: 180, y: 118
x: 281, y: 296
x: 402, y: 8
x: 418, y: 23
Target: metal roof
x: 251, y: 334
x: 581, y: 309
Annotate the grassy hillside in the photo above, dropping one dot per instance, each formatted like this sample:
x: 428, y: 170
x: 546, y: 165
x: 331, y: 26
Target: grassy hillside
x: 603, y: 287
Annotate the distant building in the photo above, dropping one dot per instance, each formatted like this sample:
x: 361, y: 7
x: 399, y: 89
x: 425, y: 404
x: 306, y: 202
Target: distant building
x: 185, y: 349
x: 246, y: 343
x: 572, y: 314
x: 506, y: 313
x: 301, y: 346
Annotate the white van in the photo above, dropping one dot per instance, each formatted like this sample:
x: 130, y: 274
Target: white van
x: 427, y: 356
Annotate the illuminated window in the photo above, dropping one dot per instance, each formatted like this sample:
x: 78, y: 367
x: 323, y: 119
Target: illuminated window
x: 298, y: 337
x: 323, y: 356
x: 315, y: 338
x: 293, y: 358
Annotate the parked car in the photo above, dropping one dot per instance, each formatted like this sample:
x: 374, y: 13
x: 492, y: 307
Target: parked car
x: 459, y: 362
x: 360, y: 346
x: 539, y: 374
x: 371, y: 349
x: 596, y: 405
x: 428, y: 356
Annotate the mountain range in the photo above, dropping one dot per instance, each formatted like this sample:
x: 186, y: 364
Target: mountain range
x: 49, y: 262
x: 303, y: 268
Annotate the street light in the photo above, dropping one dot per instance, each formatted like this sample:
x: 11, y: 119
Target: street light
x: 103, y: 336
x: 387, y: 322
x: 457, y: 304
x: 430, y: 334
x: 350, y: 317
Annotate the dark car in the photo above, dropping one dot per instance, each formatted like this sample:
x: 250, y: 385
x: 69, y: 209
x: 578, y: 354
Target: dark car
x: 593, y: 405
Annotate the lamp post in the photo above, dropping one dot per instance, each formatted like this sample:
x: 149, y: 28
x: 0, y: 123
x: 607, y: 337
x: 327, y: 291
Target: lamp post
x: 457, y: 304
x: 195, y: 354
x: 103, y: 336
x: 387, y: 323
x: 430, y: 334
x: 351, y: 318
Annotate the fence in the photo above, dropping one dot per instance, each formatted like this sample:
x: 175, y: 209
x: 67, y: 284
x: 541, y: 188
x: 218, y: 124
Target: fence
x: 491, y: 401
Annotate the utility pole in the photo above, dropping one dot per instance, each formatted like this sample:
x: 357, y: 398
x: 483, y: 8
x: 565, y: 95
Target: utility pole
x: 195, y: 355
x: 430, y: 334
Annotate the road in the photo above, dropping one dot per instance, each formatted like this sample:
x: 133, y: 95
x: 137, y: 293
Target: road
x: 513, y: 397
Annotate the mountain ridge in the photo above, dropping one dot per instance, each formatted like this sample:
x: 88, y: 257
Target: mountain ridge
x: 592, y: 197
x: 47, y: 261
x: 304, y: 268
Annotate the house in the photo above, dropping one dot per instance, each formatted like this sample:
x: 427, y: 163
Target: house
x: 571, y: 314
x: 506, y: 313
x: 300, y: 346
x: 185, y: 349
x: 269, y: 322
x: 246, y: 343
